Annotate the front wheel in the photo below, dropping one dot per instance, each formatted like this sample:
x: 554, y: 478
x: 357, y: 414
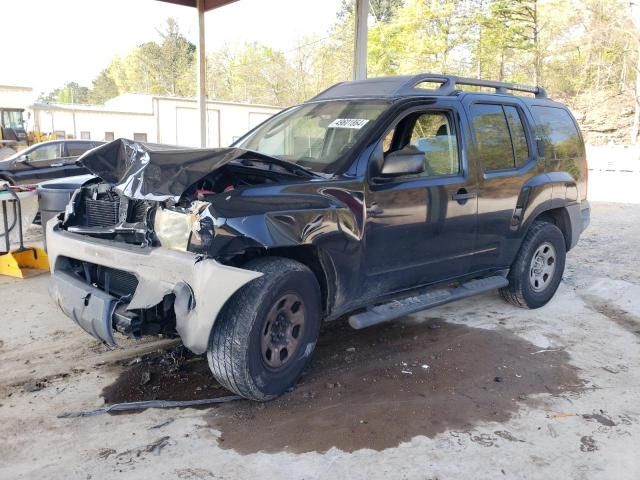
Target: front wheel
x: 537, y: 270
x: 267, y: 331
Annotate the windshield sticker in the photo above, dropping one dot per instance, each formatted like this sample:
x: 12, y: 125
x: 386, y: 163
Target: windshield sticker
x: 356, y: 123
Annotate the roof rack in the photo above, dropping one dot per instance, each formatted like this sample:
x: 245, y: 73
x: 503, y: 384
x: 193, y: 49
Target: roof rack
x: 450, y: 82
x: 409, y: 85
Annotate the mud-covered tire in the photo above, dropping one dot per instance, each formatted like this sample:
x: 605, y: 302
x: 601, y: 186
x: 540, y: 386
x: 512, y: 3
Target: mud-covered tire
x: 236, y: 350
x: 523, y: 289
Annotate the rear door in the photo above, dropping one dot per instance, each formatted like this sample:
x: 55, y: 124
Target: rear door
x: 72, y: 151
x: 421, y: 228
x: 503, y: 151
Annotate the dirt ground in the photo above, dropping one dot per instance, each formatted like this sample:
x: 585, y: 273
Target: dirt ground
x: 476, y: 389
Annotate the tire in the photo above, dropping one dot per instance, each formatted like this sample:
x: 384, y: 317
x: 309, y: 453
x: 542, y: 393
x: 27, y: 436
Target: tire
x: 246, y: 352
x: 528, y: 286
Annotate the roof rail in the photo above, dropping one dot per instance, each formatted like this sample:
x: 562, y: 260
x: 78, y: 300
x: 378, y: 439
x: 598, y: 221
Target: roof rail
x: 409, y: 85
x: 450, y: 82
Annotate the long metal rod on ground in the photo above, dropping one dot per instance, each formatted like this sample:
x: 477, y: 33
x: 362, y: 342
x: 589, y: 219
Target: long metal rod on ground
x: 123, y: 407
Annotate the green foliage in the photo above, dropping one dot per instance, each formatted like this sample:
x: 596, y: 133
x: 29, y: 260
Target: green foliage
x: 575, y: 48
x: 71, y: 92
x: 381, y: 10
x: 103, y: 88
x: 161, y: 68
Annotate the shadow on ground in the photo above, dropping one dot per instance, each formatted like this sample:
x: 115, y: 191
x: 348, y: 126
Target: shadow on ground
x: 373, y: 388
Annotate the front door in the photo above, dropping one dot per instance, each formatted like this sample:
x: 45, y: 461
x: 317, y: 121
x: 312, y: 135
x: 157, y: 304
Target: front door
x: 420, y: 228
x: 40, y: 163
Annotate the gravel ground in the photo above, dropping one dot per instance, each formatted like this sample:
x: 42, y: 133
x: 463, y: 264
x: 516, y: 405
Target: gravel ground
x: 476, y: 389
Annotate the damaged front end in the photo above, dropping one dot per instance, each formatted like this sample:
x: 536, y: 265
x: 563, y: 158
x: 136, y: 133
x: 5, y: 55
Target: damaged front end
x: 135, y: 253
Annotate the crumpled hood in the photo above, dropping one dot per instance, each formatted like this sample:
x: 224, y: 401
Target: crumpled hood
x: 148, y: 171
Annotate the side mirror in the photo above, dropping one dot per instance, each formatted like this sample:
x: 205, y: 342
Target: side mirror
x: 540, y: 147
x: 24, y: 158
x: 400, y: 163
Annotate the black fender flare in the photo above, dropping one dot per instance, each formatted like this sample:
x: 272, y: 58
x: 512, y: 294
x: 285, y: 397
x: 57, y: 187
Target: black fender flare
x: 554, y: 196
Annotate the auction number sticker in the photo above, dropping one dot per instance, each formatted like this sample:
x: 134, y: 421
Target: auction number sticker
x: 356, y: 123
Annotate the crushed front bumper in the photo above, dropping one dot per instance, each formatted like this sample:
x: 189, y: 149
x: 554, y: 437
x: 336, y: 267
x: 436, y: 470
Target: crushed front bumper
x: 201, y: 286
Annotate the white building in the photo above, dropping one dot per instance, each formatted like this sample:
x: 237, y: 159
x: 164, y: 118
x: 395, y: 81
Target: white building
x: 150, y: 118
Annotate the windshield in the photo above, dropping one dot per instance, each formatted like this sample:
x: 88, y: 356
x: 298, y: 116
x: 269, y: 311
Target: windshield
x: 12, y: 119
x: 318, y: 135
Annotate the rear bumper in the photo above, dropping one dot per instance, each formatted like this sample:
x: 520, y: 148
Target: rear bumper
x: 201, y: 286
x: 579, y: 217
x: 585, y: 214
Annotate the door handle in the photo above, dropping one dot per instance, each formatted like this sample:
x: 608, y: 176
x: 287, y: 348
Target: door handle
x: 461, y: 196
x: 374, y: 210
x: 56, y: 164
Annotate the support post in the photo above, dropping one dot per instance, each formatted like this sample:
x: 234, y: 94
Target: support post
x: 360, y: 47
x: 202, y: 75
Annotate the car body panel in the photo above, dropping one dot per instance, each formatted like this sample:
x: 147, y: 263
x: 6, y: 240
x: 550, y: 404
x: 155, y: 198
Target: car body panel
x: 47, y: 165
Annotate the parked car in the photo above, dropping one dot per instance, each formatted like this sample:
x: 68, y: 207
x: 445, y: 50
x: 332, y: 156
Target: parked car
x: 46, y: 161
x: 375, y: 199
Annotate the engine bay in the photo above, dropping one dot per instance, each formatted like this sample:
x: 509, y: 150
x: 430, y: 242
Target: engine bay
x: 99, y: 211
x: 234, y: 176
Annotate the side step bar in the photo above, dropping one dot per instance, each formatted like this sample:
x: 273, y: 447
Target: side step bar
x: 399, y: 308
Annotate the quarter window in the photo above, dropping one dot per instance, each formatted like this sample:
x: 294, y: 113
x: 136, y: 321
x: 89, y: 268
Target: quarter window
x: 558, y: 131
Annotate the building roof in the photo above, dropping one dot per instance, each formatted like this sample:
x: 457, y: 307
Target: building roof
x: 136, y: 104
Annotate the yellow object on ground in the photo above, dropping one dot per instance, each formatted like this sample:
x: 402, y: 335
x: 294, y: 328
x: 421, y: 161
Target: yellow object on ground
x: 24, y: 263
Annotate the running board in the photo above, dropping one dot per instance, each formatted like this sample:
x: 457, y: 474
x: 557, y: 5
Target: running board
x: 400, y: 308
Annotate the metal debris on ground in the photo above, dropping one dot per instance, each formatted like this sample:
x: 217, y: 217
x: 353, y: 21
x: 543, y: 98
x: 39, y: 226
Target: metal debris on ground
x: 122, y: 407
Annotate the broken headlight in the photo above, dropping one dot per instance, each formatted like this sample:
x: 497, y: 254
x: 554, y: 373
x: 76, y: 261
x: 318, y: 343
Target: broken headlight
x: 176, y: 229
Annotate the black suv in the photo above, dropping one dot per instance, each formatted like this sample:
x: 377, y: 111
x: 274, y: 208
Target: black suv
x: 375, y: 199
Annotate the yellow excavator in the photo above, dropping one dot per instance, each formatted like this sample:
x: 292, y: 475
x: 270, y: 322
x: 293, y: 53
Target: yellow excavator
x: 13, y: 135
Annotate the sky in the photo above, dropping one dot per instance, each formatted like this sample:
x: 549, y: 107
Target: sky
x: 50, y: 42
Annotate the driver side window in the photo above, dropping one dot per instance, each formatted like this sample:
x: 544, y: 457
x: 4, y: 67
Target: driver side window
x: 46, y: 152
x: 432, y: 134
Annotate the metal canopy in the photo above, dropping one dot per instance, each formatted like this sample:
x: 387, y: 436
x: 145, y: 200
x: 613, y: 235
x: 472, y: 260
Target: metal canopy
x: 208, y: 4
x: 359, y: 53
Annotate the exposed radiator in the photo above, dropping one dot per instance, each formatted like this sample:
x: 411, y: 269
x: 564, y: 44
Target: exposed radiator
x: 105, y: 212
x: 101, y: 213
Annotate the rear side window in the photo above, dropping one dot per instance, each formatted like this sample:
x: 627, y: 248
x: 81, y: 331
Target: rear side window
x: 518, y: 137
x: 558, y: 132
x: 492, y: 137
x: 75, y: 149
x: 500, y: 136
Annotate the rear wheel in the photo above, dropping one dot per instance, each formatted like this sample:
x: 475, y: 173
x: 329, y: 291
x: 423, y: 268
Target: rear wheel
x: 537, y: 270
x: 267, y: 331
